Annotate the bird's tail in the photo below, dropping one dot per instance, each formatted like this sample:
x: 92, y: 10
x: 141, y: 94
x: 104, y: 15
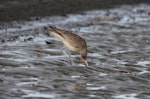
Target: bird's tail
x: 52, y: 27
x: 55, y: 30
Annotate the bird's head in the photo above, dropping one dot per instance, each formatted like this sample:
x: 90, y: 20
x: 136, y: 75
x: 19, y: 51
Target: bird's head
x: 84, y: 60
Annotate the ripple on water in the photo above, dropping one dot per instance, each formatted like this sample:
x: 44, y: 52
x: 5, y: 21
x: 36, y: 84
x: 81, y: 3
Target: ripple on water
x: 143, y: 63
x: 118, y: 54
x: 126, y: 96
x: 34, y: 94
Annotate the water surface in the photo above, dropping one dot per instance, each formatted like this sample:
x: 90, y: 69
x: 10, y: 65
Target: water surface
x: 118, y: 42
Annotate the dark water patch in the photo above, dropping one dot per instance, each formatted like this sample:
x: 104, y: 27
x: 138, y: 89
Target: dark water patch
x: 37, y: 9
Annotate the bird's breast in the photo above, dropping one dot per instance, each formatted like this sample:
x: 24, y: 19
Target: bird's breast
x: 71, y: 47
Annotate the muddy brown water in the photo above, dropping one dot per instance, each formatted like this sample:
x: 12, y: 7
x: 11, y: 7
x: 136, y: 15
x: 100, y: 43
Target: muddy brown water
x: 118, y: 42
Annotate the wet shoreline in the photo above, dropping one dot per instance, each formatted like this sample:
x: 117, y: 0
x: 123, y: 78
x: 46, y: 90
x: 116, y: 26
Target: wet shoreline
x: 12, y: 10
x: 118, y: 41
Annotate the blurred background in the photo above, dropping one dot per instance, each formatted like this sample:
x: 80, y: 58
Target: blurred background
x: 24, y: 9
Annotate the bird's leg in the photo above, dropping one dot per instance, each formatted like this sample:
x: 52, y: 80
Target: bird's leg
x: 68, y: 56
x: 70, y: 59
x: 62, y: 48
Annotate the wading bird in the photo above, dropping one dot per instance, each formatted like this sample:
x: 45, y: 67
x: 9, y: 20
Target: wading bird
x: 71, y: 40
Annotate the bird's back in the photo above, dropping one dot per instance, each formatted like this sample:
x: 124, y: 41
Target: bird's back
x: 71, y: 40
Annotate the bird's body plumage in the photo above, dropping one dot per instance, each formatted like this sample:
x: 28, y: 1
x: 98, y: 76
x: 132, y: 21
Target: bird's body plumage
x: 71, y: 40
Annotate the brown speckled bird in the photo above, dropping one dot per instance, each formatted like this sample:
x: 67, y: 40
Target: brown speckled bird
x: 71, y: 40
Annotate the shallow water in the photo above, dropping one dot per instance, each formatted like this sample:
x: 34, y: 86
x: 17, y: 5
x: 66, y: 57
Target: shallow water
x: 118, y: 53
